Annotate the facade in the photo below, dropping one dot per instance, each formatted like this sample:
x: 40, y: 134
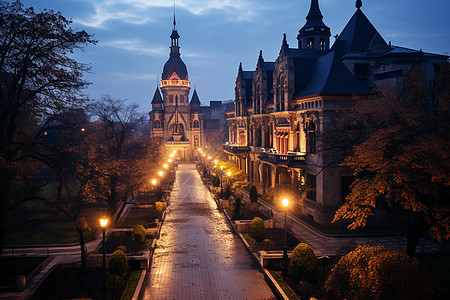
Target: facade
x: 285, y: 110
x: 183, y: 125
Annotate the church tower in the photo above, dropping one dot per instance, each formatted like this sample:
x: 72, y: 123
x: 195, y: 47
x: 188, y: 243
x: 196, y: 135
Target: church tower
x: 177, y: 122
x: 315, y: 34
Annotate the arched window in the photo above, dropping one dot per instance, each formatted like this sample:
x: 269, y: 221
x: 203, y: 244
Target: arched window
x: 310, y: 43
x: 196, y: 124
x: 157, y: 124
x: 322, y: 44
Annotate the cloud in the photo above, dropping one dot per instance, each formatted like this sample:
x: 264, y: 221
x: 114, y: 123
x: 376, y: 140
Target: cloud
x: 140, y: 11
x: 136, y: 46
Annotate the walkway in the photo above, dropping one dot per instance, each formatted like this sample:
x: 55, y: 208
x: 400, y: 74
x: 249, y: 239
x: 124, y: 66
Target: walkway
x: 197, y: 256
x: 327, y: 245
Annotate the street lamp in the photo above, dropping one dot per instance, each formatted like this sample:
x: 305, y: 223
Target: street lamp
x: 169, y: 160
x: 165, y: 166
x: 103, y: 224
x: 285, y: 268
x: 161, y: 173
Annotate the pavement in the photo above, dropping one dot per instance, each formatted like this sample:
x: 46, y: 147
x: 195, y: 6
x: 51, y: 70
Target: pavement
x: 197, y: 256
x: 328, y: 245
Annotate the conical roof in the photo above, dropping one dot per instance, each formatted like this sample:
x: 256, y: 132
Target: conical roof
x: 157, y: 99
x: 195, y: 100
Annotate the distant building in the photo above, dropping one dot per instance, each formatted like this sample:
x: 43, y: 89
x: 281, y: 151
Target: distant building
x: 285, y: 108
x: 181, y: 124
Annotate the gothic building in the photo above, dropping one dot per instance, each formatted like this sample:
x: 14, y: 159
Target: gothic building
x: 279, y: 131
x: 174, y: 119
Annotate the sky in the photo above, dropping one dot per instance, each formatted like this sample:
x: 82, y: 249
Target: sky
x: 216, y: 35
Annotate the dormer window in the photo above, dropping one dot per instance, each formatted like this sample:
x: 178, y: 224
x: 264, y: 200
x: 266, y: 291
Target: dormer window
x: 309, y: 29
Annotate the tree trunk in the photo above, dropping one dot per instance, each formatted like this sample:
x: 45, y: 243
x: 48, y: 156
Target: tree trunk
x: 417, y: 228
x: 83, y: 250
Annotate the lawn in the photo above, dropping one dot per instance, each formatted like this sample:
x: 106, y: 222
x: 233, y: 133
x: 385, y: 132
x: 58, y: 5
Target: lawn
x: 41, y: 224
x: 68, y: 281
x: 12, y: 267
x: 132, y: 284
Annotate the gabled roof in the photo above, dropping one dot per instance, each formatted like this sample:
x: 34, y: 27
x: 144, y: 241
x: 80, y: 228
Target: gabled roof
x: 157, y: 99
x: 195, y: 100
x: 357, y: 35
x: 331, y: 76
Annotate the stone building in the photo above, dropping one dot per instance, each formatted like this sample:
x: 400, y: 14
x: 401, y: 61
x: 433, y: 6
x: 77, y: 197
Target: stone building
x: 285, y: 110
x: 181, y: 124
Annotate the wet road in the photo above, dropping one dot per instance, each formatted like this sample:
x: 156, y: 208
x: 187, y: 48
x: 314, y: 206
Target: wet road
x: 197, y: 256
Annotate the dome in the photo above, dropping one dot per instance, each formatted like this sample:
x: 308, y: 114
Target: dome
x: 175, y: 64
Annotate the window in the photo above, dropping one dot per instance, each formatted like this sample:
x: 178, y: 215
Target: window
x: 311, y: 187
x: 170, y: 98
x: 322, y: 44
x: 157, y: 124
x: 196, y: 141
x: 196, y: 124
x: 181, y: 98
x: 310, y: 43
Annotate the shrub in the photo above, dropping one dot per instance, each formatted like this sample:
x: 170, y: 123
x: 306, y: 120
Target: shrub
x: 253, y: 207
x: 122, y: 248
x: 257, y: 229
x: 237, y: 208
x: 268, y: 244
x: 303, y: 263
x: 372, y: 272
x: 118, y: 263
x: 253, y: 194
x: 159, y: 206
x: 115, y: 282
x: 138, y: 234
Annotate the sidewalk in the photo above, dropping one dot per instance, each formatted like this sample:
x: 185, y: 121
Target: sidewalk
x: 326, y: 245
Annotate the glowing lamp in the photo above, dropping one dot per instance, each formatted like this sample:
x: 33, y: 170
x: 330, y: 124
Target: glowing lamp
x: 103, y: 222
x: 285, y: 202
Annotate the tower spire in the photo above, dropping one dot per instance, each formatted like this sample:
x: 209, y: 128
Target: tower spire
x: 358, y: 4
x: 174, y: 20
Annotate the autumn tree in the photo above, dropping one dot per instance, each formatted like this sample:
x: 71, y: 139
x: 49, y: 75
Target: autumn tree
x: 37, y: 76
x: 65, y: 148
x: 401, y: 156
x: 124, y: 158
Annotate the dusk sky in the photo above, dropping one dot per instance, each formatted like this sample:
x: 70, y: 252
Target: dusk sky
x: 216, y: 35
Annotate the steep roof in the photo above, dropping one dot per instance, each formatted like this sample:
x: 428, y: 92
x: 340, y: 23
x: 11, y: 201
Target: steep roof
x: 157, y: 99
x: 357, y: 35
x: 195, y: 100
x: 330, y: 76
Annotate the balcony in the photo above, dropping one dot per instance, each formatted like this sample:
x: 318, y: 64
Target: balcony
x: 235, y: 149
x: 284, y: 159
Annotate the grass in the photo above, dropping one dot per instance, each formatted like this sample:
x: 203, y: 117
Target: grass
x: 12, y: 267
x: 42, y: 225
x: 132, y: 284
x: 249, y: 239
x: 284, y: 286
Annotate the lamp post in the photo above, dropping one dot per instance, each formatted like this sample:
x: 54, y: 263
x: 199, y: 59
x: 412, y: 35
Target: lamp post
x: 285, y: 268
x: 103, y: 224
x: 161, y: 174
x: 221, y: 169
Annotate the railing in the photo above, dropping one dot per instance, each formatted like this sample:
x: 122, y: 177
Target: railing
x: 236, y: 148
x: 178, y: 142
x: 283, y: 158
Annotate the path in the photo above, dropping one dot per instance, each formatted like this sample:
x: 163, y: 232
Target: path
x: 327, y: 245
x: 197, y: 256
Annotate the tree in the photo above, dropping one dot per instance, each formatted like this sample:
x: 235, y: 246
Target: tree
x: 37, y: 77
x: 372, y: 272
x: 124, y: 159
x: 401, y: 156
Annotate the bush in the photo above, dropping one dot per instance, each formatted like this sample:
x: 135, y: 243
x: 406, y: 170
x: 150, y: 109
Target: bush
x: 159, y: 206
x: 118, y: 263
x: 138, y: 234
x: 122, y: 248
x: 253, y: 194
x: 253, y: 207
x: 268, y: 244
x: 115, y: 282
x: 303, y: 263
x: 372, y: 272
x: 237, y: 208
x: 257, y: 229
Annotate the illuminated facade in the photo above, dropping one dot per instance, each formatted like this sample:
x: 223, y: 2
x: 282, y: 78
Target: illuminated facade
x: 285, y: 110
x: 174, y: 119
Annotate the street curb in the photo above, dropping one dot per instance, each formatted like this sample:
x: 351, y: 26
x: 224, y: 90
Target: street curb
x: 137, y: 291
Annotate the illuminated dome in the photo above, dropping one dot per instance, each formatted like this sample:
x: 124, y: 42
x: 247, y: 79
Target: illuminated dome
x: 177, y: 66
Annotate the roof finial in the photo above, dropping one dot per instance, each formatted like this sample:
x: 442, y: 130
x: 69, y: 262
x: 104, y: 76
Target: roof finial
x: 358, y: 4
x: 174, y: 21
